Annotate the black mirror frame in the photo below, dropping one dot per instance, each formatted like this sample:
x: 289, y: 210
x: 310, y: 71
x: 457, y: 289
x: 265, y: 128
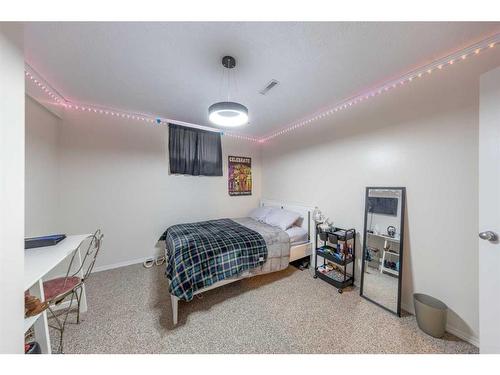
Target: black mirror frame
x: 401, y: 248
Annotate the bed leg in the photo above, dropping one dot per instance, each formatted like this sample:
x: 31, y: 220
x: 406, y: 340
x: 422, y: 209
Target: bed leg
x: 175, y: 305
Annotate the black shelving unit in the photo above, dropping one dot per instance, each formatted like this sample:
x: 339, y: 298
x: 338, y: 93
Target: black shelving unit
x: 342, y: 253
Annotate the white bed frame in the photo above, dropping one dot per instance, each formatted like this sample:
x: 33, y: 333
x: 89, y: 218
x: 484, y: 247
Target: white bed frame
x: 296, y: 252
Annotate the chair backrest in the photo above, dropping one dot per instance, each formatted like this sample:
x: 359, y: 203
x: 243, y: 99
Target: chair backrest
x: 88, y: 259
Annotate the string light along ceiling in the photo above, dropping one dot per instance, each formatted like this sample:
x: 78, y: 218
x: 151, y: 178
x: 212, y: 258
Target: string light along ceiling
x: 426, y: 70
x: 61, y: 101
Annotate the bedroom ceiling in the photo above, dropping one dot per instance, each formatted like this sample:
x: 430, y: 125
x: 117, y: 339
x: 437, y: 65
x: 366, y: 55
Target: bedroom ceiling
x: 173, y: 70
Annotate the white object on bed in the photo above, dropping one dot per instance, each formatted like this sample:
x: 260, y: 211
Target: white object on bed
x: 297, y: 235
x: 281, y: 218
x: 260, y: 213
x: 305, y: 220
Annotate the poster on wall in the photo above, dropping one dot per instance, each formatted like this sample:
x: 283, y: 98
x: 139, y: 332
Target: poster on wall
x: 240, y: 175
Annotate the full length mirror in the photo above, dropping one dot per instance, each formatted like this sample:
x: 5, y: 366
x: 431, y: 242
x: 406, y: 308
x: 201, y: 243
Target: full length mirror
x: 383, y: 247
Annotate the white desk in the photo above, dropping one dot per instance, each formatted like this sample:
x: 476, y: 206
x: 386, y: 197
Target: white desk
x: 37, y: 263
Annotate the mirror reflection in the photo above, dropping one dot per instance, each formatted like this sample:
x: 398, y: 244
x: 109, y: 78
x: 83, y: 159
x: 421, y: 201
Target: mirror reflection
x: 383, y: 250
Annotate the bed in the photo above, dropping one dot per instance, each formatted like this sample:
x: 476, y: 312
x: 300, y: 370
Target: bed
x: 205, y: 255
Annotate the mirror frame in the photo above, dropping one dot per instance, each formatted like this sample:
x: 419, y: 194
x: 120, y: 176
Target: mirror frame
x: 401, y: 247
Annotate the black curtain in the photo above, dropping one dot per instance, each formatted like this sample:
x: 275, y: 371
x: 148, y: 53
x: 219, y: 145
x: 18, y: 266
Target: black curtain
x: 194, y: 151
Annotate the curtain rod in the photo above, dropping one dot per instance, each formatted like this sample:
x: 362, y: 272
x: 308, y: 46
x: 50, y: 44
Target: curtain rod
x: 190, y: 125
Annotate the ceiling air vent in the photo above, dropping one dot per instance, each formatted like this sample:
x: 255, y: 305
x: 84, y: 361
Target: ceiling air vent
x: 269, y: 86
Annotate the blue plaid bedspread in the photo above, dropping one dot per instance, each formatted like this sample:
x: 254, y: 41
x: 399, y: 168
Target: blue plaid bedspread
x: 201, y: 254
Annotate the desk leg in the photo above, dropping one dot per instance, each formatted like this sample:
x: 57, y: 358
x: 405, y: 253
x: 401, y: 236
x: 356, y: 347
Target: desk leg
x: 41, y: 325
x: 83, y: 303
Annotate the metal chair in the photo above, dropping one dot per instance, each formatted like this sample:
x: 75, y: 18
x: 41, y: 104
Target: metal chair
x: 57, y: 290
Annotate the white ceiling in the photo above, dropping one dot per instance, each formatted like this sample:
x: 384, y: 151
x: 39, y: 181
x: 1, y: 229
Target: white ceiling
x: 173, y: 70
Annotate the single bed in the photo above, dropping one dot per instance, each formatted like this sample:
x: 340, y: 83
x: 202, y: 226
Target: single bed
x: 195, y: 262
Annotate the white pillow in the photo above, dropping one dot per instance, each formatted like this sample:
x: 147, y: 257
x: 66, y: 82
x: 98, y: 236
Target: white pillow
x: 260, y: 213
x: 281, y: 218
x: 296, y: 234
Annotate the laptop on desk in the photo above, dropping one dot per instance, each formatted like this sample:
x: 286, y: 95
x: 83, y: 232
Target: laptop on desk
x: 51, y: 240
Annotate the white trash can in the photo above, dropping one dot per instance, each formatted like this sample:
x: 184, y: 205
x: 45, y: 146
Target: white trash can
x: 431, y: 314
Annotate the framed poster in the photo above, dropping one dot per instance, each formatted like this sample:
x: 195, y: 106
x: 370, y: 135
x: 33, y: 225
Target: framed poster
x: 239, y: 175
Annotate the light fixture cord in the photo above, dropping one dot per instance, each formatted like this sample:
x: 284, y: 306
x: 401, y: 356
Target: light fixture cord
x: 228, y: 83
x: 221, y: 84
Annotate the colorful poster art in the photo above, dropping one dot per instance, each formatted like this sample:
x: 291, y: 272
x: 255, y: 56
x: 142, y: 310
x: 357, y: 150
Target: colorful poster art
x: 240, y: 175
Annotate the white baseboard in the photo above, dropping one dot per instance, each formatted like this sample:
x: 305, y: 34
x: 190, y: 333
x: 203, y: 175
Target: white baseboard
x: 450, y: 329
x: 123, y: 264
x: 117, y: 265
x: 462, y: 335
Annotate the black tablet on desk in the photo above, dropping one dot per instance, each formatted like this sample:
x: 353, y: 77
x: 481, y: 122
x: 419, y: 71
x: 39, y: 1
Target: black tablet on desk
x: 54, y: 239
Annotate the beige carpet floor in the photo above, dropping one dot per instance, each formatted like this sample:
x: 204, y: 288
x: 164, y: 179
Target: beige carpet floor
x: 284, y: 312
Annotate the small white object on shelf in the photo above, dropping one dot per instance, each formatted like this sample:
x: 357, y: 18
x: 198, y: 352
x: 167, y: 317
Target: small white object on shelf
x: 325, y: 225
x: 317, y: 216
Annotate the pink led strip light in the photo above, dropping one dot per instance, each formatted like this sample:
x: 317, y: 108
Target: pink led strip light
x: 59, y: 100
x: 437, y: 65
x: 45, y: 87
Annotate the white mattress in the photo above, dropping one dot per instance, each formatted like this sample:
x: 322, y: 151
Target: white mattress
x: 298, y: 235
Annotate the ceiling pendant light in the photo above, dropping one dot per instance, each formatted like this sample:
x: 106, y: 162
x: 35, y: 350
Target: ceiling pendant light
x: 228, y: 114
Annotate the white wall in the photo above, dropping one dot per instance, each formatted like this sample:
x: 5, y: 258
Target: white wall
x: 423, y: 136
x: 11, y: 187
x: 42, y: 170
x: 114, y: 176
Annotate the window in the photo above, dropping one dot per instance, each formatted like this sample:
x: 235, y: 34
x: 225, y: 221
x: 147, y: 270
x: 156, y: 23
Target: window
x: 194, y: 151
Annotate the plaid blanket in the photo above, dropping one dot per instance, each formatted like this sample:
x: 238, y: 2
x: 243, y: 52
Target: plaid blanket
x: 201, y: 254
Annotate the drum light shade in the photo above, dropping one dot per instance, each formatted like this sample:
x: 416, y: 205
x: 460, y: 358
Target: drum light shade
x: 228, y: 114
